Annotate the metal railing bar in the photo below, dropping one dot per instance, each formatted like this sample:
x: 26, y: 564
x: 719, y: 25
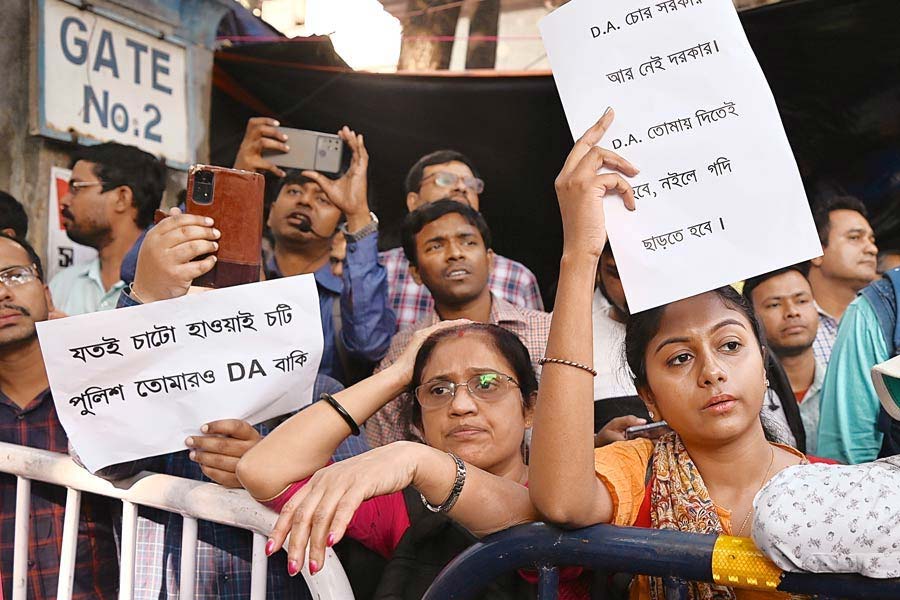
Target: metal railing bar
x: 129, y: 545
x: 204, y: 501
x: 20, y: 548
x: 69, y: 545
x: 548, y: 583
x: 258, y: 568
x: 188, y: 572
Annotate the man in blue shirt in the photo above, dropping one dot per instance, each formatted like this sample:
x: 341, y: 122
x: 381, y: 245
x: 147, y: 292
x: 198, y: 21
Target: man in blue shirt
x: 357, y: 322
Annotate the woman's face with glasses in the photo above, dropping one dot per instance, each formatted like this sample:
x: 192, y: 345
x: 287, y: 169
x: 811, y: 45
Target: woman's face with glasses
x: 452, y: 180
x: 471, y: 405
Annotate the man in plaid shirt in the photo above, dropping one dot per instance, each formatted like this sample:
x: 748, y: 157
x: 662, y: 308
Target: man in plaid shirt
x: 28, y: 418
x: 449, y: 249
x: 447, y: 174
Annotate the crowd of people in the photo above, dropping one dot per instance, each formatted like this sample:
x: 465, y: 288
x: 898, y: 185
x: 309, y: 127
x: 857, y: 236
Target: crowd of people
x: 449, y: 405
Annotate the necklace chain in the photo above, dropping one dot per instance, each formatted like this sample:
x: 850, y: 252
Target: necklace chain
x: 759, y: 487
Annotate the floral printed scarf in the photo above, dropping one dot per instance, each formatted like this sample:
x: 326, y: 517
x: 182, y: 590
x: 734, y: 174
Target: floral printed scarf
x: 679, y: 500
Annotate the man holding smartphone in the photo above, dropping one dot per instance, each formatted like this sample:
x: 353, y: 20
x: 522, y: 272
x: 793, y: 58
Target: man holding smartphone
x: 308, y: 212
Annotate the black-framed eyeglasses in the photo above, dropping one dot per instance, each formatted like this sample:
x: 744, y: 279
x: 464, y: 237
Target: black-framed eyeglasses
x: 18, y: 275
x: 447, y: 179
x: 484, y: 386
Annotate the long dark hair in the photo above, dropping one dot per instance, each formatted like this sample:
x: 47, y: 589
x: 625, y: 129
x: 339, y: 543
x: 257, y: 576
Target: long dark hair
x: 505, y: 342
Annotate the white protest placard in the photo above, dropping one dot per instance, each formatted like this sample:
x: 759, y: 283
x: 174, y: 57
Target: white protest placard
x: 719, y: 197
x: 134, y: 382
x: 108, y: 81
x: 62, y: 252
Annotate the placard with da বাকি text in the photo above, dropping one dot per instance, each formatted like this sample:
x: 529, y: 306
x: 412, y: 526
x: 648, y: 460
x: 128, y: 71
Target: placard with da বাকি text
x: 134, y: 382
x: 719, y: 197
x: 107, y: 81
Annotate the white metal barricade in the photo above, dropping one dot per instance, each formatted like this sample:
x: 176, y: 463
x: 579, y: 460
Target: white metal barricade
x: 192, y: 499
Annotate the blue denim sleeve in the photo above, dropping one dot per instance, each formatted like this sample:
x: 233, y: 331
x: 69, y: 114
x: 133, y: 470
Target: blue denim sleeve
x: 368, y: 323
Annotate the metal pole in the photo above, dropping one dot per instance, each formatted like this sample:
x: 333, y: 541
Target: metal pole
x: 20, y: 551
x: 69, y: 545
x: 188, y: 580
x: 258, y: 568
x: 129, y: 542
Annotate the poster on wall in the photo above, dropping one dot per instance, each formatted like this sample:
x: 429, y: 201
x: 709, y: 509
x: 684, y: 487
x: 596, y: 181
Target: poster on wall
x: 62, y: 252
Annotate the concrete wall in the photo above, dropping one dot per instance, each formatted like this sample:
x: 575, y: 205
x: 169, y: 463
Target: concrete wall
x: 26, y: 159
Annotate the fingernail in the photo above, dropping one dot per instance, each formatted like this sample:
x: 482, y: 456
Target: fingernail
x: 214, y: 258
x: 313, y: 567
x: 205, y: 427
x: 277, y: 124
x: 192, y: 455
x: 189, y: 442
x: 608, y: 108
x: 287, y: 148
x: 216, y: 232
x: 270, y: 547
x: 330, y: 541
x: 208, y: 221
x: 215, y: 247
x: 293, y: 568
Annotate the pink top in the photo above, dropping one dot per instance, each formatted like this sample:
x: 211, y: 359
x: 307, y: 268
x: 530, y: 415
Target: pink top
x: 380, y: 522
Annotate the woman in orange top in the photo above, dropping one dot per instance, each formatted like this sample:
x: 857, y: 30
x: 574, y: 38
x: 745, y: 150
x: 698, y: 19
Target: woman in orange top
x: 697, y: 363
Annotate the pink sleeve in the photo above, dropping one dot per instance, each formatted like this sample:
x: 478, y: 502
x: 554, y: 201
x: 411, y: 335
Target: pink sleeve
x: 378, y: 523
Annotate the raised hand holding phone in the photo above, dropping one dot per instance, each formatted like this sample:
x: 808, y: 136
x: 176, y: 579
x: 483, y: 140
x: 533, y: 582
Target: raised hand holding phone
x: 349, y: 193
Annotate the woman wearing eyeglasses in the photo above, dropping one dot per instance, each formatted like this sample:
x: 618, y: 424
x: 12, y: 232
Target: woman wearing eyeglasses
x: 475, y: 388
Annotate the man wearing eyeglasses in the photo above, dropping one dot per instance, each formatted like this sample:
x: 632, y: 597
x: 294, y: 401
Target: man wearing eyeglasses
x: 447, y: 174
x: 28, y: 418
x: 112, y: 195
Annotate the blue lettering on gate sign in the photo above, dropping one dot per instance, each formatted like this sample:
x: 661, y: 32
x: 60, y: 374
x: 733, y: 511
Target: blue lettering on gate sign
x: 97, y: 106
x: 139, y: 49
x: 106, y: 46
x: 159, y: 55
x: 81, y: 44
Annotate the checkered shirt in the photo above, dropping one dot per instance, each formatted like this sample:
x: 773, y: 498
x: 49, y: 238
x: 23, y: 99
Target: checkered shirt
x: 96, y: 562
x: 392, y: 423
x: 412, y: 302
x: 825, y: 336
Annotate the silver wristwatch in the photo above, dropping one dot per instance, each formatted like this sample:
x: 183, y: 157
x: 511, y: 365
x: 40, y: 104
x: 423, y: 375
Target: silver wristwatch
x: 364, y: 232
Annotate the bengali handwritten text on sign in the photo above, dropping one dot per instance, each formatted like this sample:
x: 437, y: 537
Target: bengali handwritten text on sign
x: 134, y: 382
x: 719, y: 195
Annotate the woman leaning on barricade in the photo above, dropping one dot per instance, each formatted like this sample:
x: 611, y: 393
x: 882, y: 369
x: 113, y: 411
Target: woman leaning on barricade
x: 697, y: 363
x: 475, y: 389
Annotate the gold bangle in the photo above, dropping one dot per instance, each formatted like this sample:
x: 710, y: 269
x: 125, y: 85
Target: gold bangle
x: 568, y: 363
x: 133, y: 293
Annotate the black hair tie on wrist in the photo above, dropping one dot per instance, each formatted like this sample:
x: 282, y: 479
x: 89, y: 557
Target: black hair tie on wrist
x: 354, y: 428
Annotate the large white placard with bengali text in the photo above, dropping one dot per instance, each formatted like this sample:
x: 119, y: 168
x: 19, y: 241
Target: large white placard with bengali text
x: 110, y: 82
x: 134, y: 382
x: 719, y: 197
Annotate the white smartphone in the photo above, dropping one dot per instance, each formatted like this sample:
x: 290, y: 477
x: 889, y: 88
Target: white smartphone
x: 311, y: 150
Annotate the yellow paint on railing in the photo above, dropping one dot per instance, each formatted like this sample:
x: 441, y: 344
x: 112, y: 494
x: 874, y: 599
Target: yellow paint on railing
x: 737, y: 562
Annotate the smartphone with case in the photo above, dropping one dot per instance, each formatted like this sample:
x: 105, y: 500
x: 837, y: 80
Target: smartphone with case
x: 312, y: 151
x: 234, y: 200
